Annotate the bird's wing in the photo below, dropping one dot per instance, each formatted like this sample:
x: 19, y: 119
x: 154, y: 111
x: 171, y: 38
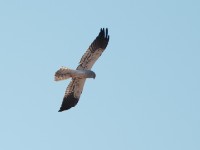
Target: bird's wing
x: 72, y: 93
x: 94, y: 51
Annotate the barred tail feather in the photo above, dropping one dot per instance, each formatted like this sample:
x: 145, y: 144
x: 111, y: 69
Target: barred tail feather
x: 62, y: 74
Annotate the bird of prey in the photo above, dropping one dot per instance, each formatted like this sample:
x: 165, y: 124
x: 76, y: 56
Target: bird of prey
x: 83, y: 71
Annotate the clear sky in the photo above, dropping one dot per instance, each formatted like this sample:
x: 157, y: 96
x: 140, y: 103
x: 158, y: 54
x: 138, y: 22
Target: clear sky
x: 146, y: 95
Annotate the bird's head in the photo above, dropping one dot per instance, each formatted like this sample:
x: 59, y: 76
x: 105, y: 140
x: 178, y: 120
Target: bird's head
x: 91, y: 74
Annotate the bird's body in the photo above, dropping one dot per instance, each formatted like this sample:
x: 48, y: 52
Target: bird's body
x: 65, y: 73
x: 83, y: 71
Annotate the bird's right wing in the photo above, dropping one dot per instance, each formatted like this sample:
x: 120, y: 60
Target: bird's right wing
x: 94, y: 51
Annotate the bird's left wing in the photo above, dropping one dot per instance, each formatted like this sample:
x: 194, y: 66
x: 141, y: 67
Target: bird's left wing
x: 94, y: 51
x: 72, y: 93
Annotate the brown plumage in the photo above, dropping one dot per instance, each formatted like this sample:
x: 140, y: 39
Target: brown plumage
x: 83, y: 71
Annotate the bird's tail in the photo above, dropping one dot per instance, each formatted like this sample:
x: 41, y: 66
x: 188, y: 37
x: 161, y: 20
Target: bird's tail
x: 62, y: 74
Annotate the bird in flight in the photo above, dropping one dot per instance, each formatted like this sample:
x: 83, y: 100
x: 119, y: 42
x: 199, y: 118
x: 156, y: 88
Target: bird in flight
x: 83, y: 71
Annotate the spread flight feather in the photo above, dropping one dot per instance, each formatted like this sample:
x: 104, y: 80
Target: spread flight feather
x: 83, y: 71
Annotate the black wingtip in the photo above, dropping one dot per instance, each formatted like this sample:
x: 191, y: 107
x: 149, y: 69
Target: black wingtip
x: 101, y: 40
x: 68, y: 102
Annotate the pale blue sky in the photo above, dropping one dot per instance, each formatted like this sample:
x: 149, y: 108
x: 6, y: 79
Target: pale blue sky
x: 146, y: 95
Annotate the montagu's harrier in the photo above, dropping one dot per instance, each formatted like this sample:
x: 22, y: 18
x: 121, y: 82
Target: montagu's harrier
x: 83, y: 71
